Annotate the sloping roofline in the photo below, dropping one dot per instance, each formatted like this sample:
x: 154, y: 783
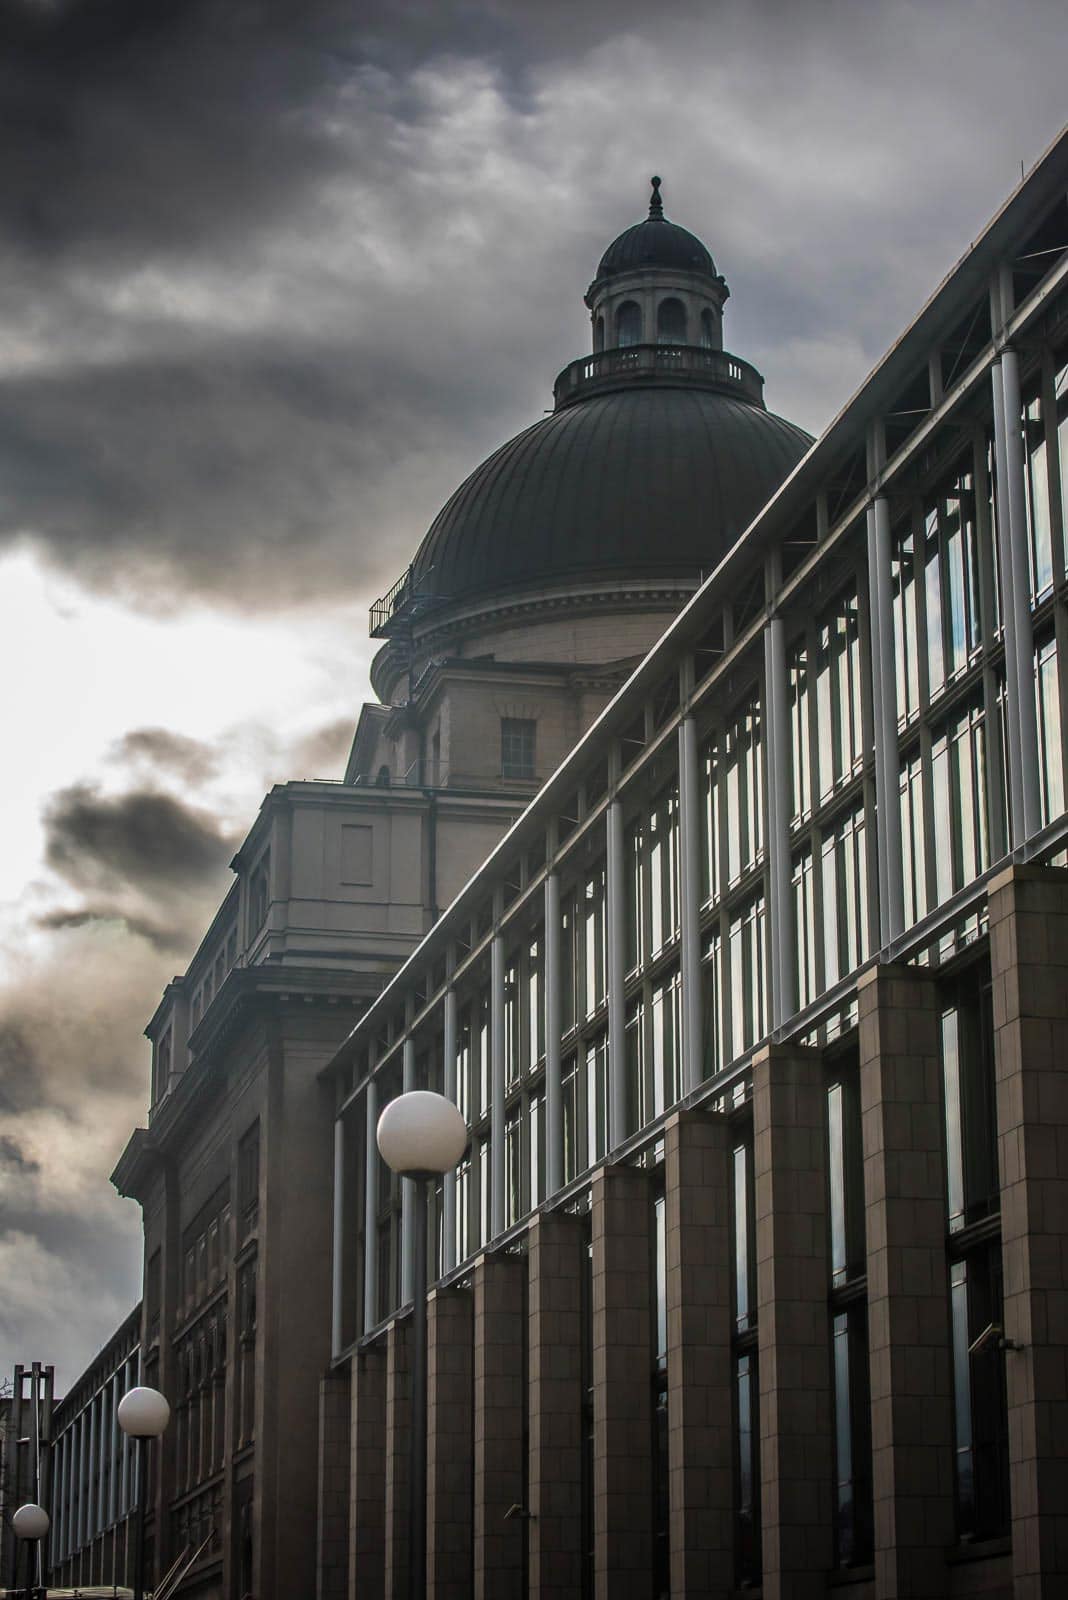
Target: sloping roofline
x: 971, y: 275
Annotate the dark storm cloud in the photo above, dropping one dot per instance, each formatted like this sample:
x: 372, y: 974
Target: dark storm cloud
x: 13, y: 1155
x: 273, y: 278
x: 142, y: 838
x: 168, y: 752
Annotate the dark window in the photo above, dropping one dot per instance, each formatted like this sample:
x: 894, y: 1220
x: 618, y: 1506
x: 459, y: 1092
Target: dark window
x: 628, y: 324
x: 671, y: 322
x: 598, y: 335
x: 747, y: 1471
x: 661, y: 1478
x: 853, y: 1518
x: 979, y: 1394
x: 708, y: 330
x: 972, y: 1186
x: 846, y: 1177
x: 517, y: 747
x: 248, y: 1180
x: 259, y: 894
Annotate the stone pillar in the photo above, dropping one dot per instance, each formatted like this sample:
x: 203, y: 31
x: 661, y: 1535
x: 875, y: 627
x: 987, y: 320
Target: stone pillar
x: 332, y: 1543
x: 1029, y: 965
x: 499, y: 1401
x: 367, y: 1474
x: 793, y: 1322
x: 908, y: 1296
x: 621, y: 1225
x: 555, y: 1250
x: 700, y: 1391
x: 450, y: 1441
x: 398, y: 1457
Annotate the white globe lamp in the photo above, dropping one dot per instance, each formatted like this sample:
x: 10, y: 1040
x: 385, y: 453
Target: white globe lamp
x: 421, y: 1134
x: 30, y: 1522
x: 143, y: 1413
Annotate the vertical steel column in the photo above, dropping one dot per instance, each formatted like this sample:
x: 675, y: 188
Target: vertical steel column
x: 129, y: 1380
x: 497, y: 1086
x: 690, y: 905
x: 554, y: 1127
x: 408, y: 1195
x: 1022, y: 637
x: 616, y: 913
x: 884, y: 718
x: 83, y: 1479
x: 337, y: 1266
x: 116, y: 1434
x: 448, y: 1188
x: 776, y: 768
x: 1008, y: 611
x: 370, y: 1211
x: 94, y: 1435
x: 103, y: 1441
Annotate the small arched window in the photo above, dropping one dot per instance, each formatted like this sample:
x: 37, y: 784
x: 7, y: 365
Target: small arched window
x: 708, y: 330
x: 629, y: 323
x: 671, y: 322
x: 598, y: 336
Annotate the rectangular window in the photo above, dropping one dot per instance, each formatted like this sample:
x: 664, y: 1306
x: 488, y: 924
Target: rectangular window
x: 248, y: 1180
x: 846, y: 1179
x: 637, y: 1097
x: 485, y: 1193
x: 748, y: 969
x: 973, y: 1188
x: 485, y: 1090
x: 596, y: 929
x: 569, y: 1103
x: 1047, y: 707
x: 840, y: 746
x: 904, y: 601
x: 464, y: 1064
x: 535, y: 1003
x: 854, y: 1519
x: 536, y: 1146
x: 958, y: 777
x: 747, y: 1471
x: 845, y: 897
x: 1036, y: 500
x: 634, y: 857
x: 517, y: 747
x: 463, y: 1209
x: 742, y: 1221
x: 914, y: 855
x: 711, y: 838
x: 803, y: 885
x: 663, y: 869
x: 744, y: 784
x: 513, y: 1039
x: 569, y: 956
x: 666, y: 1018
x: 979, y: 1400
x: 513, y: 1168
x: 712, y: 1002
x: 800, y: 735
x: 596, y: 1100
x: 661, y: 1474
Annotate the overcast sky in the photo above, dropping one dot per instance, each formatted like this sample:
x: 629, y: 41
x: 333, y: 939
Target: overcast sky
x: 273, y: 279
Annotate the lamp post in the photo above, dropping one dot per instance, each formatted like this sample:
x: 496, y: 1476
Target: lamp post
x: 30, y: 1524
x: 420, y: 1136
x: 143, y: 1414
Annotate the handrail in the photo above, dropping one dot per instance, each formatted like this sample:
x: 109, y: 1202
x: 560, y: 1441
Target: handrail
x: 685, y: 363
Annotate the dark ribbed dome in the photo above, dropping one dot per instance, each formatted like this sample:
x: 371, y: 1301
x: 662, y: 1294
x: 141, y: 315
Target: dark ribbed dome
x: 640, y: 483
x: 655, y: 243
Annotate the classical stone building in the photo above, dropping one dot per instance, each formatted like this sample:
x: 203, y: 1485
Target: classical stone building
x: 754, y: 1277
x: 536, y: 592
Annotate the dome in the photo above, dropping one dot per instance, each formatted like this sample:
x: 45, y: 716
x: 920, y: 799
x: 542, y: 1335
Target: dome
x: 636, y: 483
x: 656, y: 242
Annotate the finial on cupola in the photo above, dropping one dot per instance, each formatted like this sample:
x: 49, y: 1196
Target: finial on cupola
x: 656, y: 205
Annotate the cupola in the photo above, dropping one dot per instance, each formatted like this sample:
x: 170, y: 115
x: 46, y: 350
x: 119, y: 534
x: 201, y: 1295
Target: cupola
x: 656, y: 284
